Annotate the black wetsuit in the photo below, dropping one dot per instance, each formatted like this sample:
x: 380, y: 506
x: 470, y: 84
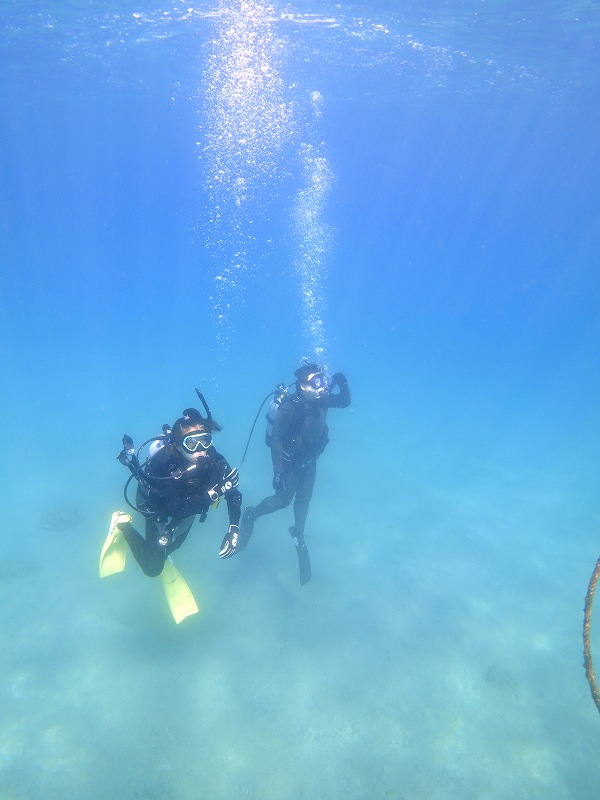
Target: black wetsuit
x: 299, y: 437
x: 171, y: 503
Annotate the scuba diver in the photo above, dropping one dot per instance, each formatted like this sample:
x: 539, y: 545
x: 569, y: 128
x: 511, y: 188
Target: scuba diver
x: 297, y: 434
x: 184, y: 475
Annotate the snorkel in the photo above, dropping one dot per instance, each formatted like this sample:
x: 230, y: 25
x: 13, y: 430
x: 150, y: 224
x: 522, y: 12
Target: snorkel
x: 206, y: 408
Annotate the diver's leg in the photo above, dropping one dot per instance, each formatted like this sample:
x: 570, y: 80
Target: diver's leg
x: 147, y: 552
x: 306, y: 482
x: 301, y: 505
x: 279, y: 500
x: 275, y: 502
x: 179, y: 532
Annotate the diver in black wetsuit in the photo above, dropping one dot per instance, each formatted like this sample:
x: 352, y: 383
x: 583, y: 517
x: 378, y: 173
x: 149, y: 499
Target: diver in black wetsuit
x: 299, y: 437
x: 181, y: 479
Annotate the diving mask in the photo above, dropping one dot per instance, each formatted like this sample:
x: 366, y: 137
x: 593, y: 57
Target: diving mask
x: 199, y: 440
x: 315, y: 385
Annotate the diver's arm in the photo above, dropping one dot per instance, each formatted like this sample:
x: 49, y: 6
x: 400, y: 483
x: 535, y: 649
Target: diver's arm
x: 229, y: 544
x: 227, y: 479
x: 342, y: 399
x: 234, y: 505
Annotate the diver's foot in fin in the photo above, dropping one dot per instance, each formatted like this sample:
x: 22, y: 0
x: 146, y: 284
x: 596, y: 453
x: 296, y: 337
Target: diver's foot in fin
x: 246, y: 528
x: 179, y: 595
x: 114, y: 550
x: 303, y: 556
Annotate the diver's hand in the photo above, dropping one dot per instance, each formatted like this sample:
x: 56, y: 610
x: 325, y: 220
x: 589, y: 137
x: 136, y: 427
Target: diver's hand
x: 230, y: 481
x: 229, y: 543
x: 338, y: 379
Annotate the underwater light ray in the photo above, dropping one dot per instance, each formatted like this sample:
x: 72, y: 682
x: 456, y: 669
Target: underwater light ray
x: 248, y: 122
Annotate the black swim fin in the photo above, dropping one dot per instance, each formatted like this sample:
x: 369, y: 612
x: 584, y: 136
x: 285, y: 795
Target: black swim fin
x: 303, y: 557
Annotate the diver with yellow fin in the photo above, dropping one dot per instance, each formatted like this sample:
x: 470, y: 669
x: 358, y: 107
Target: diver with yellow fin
x: 182, y: 476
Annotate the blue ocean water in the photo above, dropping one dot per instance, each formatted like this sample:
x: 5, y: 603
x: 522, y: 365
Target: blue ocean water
x: 200, y: 195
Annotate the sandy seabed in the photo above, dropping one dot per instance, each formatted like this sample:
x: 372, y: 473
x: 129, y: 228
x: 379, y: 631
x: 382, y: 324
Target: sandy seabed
x: 435, y: 654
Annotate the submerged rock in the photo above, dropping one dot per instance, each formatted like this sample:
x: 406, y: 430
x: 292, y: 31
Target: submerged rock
x: 60, y: 519
x: 502, y: 680
x: 12, y: 569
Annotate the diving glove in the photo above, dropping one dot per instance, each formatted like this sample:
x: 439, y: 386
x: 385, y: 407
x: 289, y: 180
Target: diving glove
x: 230, y: 481
x: 229, y: 543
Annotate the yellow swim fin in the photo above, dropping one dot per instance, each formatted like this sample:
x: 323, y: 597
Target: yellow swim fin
x: 114, y: 550
x: 179, y: 596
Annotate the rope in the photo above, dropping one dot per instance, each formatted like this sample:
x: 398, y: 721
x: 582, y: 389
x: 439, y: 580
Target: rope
x: 587, y: 623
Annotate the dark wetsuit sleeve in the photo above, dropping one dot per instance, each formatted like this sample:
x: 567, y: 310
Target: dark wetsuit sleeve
x: 283, y: 422
x: 233, y: 497
x: 342, y: 398
x: 234, y: 506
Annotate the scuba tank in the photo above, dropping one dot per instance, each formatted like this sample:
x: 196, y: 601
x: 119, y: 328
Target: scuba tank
x: 156, y: 443
x: 272, y: 412
x: 278, y: 396
x: 155, y: 446
x: 129, y: 458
